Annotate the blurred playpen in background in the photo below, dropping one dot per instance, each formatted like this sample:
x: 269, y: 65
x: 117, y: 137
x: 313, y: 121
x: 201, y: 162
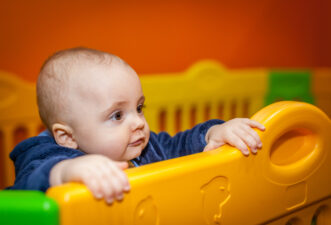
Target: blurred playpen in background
x: 176, y: 102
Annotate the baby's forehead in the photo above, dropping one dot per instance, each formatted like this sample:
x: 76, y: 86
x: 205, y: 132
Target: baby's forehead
x: 100, y: 84
x: 95, y: 70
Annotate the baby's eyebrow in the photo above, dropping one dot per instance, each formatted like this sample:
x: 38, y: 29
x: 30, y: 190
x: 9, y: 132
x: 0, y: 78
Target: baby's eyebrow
x: 142, y: 99
x: 113, y: 106
x: 119, y: 104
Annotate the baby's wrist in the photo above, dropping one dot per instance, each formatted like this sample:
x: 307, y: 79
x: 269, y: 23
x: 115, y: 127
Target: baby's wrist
x: 207, y: 136
x: 55, y: 177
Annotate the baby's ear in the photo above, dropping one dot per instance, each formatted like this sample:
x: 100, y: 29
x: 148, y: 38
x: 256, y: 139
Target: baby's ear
x: 63, y: 135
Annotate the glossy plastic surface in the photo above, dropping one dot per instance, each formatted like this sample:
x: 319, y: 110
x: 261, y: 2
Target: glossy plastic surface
x: 28, y: 208
x: 290, y: 173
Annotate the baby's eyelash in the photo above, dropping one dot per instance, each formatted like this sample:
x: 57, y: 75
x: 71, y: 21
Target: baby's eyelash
x: 116, y: 115
x: 140, y: 107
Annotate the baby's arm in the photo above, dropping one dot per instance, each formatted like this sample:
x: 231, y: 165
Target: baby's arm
x: 105, y: 178
x: 237, y: 132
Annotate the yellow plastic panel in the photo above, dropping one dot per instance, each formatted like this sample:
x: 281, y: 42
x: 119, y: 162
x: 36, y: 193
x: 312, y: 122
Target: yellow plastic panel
x: 321, y: 88
x: 290, y: 173
x: 19, y: 119
x: 316, y: 214
x: 206, y: 90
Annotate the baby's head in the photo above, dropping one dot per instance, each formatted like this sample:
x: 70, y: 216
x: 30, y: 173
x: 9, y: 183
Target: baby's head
x: 93, y: 101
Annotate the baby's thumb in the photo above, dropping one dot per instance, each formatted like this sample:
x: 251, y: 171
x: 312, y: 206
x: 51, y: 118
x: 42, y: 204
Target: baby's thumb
x: 122, y: 165
x: 210, y: 146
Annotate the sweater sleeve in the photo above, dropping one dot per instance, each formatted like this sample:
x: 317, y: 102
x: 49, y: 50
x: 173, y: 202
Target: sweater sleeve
x: 187, y: 142
x: 34, y: 159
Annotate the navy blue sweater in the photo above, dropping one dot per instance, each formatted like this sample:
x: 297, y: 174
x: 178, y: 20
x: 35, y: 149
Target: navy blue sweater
x: 35, y: 157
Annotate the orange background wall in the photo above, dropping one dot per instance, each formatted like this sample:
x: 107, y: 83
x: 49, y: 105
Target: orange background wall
x: 167, y: 36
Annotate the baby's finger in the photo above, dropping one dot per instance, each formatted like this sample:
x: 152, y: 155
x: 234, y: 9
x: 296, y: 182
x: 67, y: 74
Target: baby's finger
x: 254, y: 124
x: 106, y: 183
x: 122, y: 165
x: 120, y: 175
x: 93, y: 185
x: 250, y: 142
x: 119, y: 181
x: 247, y: 139
x: 237, y: 142
x: 111, y: 192
x: 117, y: 188
x: 251, y: 132
x: 107, y: 190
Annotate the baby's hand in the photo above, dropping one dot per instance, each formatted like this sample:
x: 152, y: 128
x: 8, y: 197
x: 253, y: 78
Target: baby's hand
x: 105, y: 178
x: 236, y: 132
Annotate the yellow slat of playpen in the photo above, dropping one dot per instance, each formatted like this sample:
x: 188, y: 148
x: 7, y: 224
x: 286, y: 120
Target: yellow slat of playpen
x: 31, y: 129
x: 8, y: 174
x: 321, y: 80
x: 206, y: 83
x: 18, y: 109
x: 186, y: 122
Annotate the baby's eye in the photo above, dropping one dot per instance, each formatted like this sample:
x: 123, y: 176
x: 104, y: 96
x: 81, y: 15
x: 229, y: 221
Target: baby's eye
x: 117, y: 115
x: 140, y: 108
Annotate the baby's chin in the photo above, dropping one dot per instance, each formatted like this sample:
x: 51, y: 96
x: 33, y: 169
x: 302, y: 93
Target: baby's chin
x: 134, y: 153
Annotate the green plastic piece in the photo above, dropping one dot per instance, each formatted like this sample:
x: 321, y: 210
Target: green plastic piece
x: 289, y: 85
x: 27, y: 208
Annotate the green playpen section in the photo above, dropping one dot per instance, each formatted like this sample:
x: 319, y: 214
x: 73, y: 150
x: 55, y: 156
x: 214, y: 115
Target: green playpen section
x: 27, y: 208
x: 289, y: 85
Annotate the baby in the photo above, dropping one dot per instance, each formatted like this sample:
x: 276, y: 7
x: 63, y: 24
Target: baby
x: 92, y: 105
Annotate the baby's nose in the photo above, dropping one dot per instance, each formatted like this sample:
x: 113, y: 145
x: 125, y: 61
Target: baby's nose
x: 138, y: 123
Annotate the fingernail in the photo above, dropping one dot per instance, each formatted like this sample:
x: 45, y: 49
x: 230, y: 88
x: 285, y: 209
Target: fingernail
x: 109, y: 200
x: 98, y: 195
x: 127, y: 188
x: 119, y: 197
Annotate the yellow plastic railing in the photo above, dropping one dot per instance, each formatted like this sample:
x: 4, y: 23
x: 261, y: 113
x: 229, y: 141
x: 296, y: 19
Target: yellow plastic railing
x: 286, y: 182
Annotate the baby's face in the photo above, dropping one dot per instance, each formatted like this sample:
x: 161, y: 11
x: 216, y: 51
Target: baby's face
x: 107, y: 111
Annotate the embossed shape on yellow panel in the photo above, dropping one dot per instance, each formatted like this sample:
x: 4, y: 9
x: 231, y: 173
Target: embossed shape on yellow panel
x: 215, y: 194
x: 146, y: 212
x: 295, y: 195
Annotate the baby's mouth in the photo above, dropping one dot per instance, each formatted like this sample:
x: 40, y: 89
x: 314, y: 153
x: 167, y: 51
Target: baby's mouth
x: 137, y: 142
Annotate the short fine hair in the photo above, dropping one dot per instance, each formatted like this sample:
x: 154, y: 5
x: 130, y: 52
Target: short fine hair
x: 55, y: 74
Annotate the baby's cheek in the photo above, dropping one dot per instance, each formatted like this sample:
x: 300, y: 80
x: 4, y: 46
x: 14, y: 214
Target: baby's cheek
x: 147, y: 139
x: 113, y: 150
